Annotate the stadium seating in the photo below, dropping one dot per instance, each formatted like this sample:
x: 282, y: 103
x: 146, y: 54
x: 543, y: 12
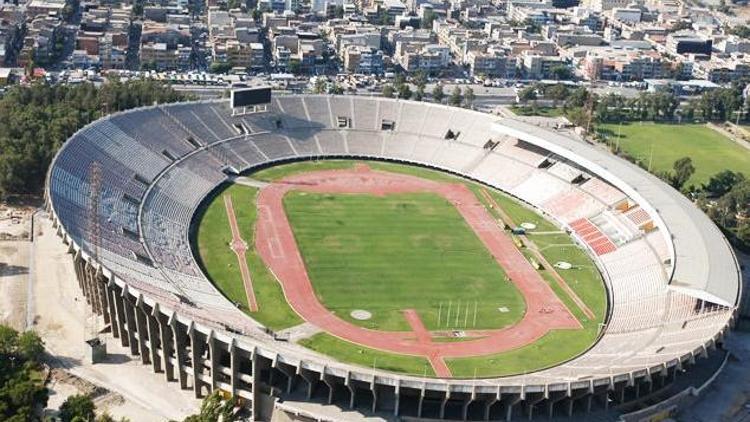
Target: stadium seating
x: 154, y: 179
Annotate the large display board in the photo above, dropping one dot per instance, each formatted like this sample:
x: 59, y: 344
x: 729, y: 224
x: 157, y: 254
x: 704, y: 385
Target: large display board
x: 246, y: 97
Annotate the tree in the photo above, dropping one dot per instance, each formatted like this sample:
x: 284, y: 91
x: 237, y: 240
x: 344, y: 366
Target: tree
x: 743, y: 233
x: 419, y: 93
x: 220, y: 67
x: 295, y: 66
x: 404, y: 92
x: 455, y: 98
x: 8, y: 340
x: 320, y: 86
x: 437, y: 93
x: 558, y: 92
x: 527, y: 94
x: 561, y: 72
x: 39, y: 118
x: 388, y: 91
x: 338, y: 12
x: 469, y: 97
x: 214, y: 409
x: 78, y: 406
x: 682, y: 170
x: 722, y: 182
x: 428, y: 19
x: 30, y: 346
x: 420, y: 79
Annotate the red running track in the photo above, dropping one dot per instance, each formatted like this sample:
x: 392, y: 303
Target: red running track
x: 277, y: 247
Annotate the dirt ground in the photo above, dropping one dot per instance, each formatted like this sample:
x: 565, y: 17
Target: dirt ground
x: 126, y: 387
x: 14, y: 270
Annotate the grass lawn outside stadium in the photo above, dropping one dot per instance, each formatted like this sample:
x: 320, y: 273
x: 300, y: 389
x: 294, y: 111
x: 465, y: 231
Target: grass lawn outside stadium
x: 388, y: 253
x: 662, y: 144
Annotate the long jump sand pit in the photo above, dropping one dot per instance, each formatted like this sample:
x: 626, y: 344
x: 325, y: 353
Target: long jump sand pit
x: 277, y: 247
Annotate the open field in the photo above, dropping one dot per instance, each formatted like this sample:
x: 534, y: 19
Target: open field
x: 401, y: 251
x: 220, y: 262
x: 662, y: 144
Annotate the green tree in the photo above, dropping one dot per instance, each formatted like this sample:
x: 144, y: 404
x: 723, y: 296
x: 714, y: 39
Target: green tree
x: 30, y: 346
x: 527, y: 94
x: 682, y: 170
x: 404, y: 92
x: 295, y: 66
x: 437, y: 93
x: 456, y: 97
x: 419, y: 93
x: 428, y: 19
x: 722, y: 182
x: 77, y: 406
x: 561, y: 72
x: 469, y: 97
x: 220, y: 67
x: 214, y: 409
x: 338, y: 12
x: 388, y: 91
x: 320, y: 86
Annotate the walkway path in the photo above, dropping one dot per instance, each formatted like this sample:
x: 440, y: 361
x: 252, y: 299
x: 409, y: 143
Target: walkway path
x: 240, y: 248
x: 277, y: 247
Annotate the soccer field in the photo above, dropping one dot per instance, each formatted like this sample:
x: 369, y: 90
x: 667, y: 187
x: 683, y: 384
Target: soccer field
x: 662, y: 144
x: 388, y: 253
x: 396, y: 252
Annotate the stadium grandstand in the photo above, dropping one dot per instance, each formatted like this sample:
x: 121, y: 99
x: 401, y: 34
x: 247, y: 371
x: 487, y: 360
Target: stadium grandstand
x: 672, y: 279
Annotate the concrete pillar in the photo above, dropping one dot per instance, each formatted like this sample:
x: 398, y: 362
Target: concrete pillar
x: 114, y: 324
x: 141, y: 330
x: 179, y: 350
x: 509, y: 407
x: 490, y: 403
x: 154, y: 341
x: 120, y: 308
x: 130, y: 322
x: 421, y: 402
x: 443, y: 402
x: 103, y: 297
x: 397, y: 395
x: 197, y: 358
x: 288, y: 373
x: 374, y: 390
x: 213, y: 352
x: 331, y: 387
x: 166, y: 343
x: 234, y: 365
x: 553, y: 398
x: 352, y: 391
x: 311, y: 381
x: 78, y: 264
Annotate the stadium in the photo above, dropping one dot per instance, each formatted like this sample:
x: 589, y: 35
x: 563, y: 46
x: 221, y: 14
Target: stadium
x: 158, y: 204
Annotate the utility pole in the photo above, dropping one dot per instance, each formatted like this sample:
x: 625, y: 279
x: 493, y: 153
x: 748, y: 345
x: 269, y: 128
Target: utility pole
x: 97, y: 347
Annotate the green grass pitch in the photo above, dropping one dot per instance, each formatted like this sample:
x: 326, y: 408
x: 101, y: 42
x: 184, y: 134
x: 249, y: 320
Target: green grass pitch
x: 401, y: 251
x: 219, y: 263
x: 662, y: 144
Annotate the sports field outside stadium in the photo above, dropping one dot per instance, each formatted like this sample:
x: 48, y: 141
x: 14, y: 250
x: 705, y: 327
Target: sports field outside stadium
x: 387, y: 253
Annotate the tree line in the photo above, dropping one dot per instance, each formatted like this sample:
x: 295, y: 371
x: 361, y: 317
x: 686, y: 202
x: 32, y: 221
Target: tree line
x: 400, y: 88
x: 39, y: 118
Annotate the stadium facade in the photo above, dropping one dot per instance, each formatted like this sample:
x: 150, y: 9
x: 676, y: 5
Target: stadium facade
x: 672, y: 279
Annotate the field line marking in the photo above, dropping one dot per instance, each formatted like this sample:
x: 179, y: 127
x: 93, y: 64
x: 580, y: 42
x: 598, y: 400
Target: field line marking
x: 239, y: 247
